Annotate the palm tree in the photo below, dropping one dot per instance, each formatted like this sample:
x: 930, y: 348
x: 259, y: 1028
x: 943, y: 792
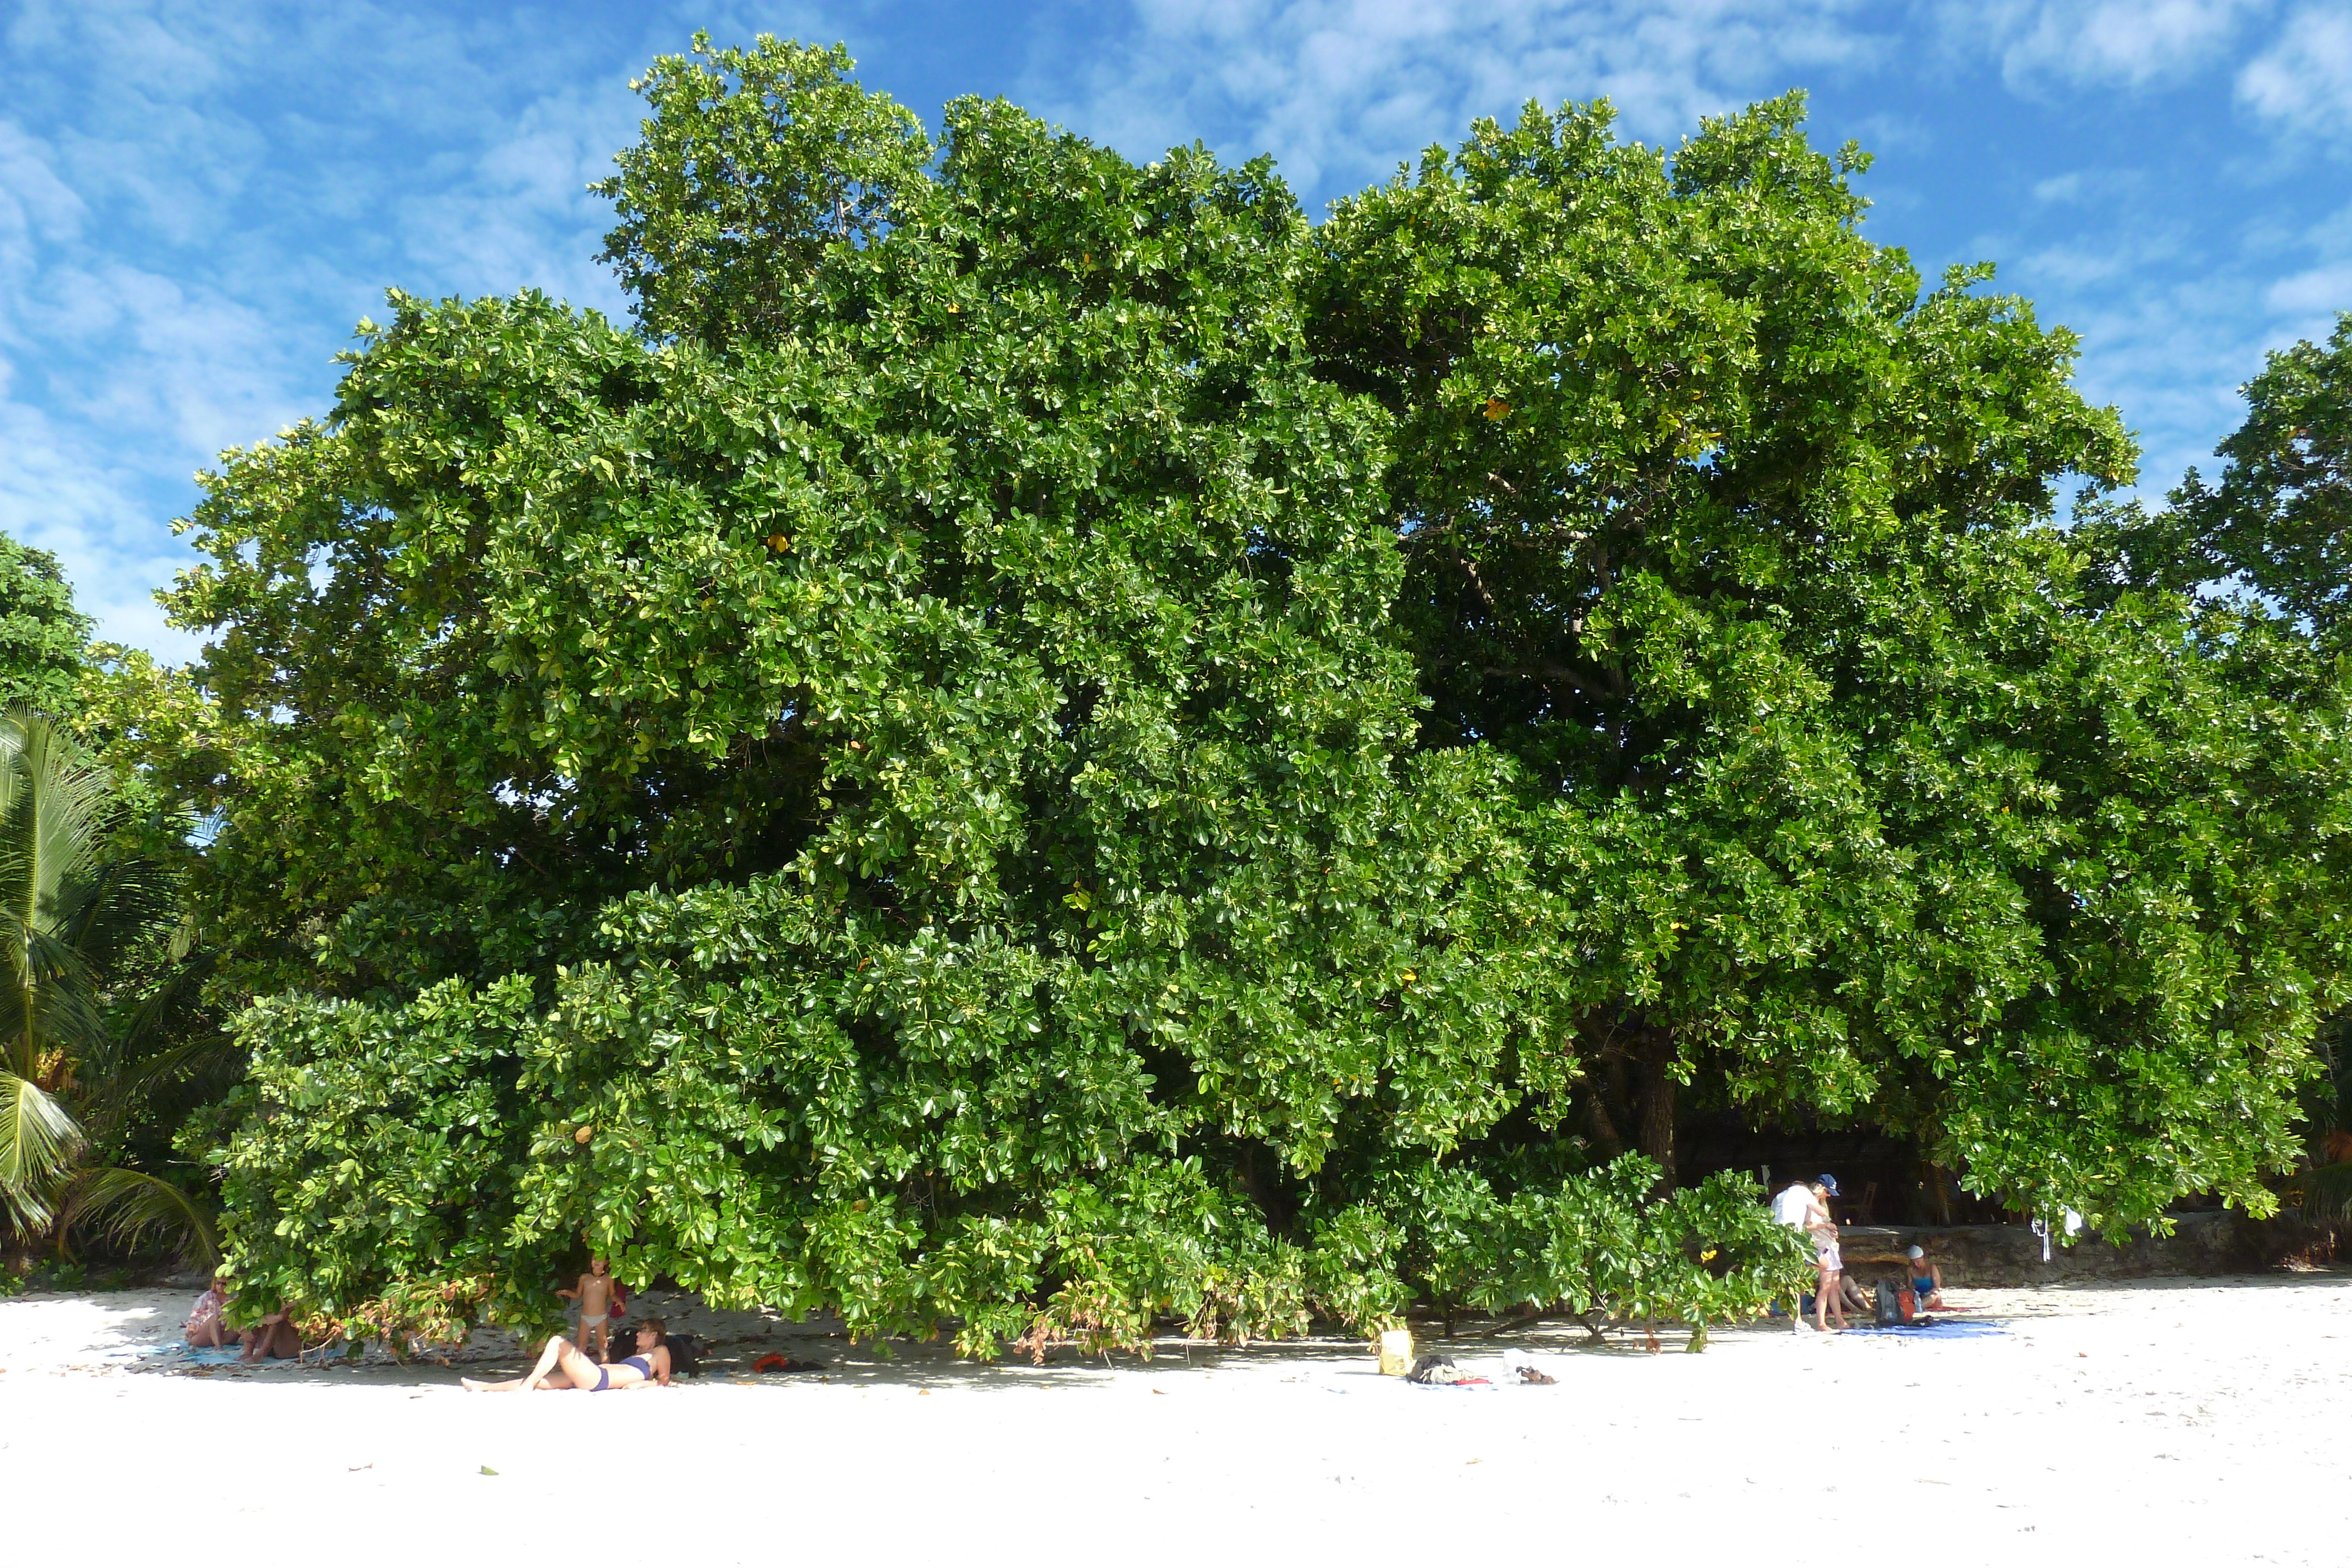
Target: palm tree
x: 70, y: 911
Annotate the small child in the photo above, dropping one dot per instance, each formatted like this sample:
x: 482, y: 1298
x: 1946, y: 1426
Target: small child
x: 595, y: 1294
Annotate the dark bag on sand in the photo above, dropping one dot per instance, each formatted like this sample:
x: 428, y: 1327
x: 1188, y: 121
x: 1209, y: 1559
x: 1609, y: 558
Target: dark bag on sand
x: 686, y: 1353
x: 1434, y: 1369
x: 1888, y: 1304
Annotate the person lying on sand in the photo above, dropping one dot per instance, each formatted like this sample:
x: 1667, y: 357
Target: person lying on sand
x: 562, y: 1365
x: 1926, y: 1282
x: 207, y: 1324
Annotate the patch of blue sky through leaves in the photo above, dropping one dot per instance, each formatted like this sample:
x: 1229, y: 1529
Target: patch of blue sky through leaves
x: 198, y: 200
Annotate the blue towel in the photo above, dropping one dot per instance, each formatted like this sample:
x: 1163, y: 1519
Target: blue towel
x: 1946, y: 1329
x: 200, y: 1355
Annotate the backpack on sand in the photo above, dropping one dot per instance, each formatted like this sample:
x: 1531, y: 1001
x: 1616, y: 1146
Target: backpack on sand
x: 1887, y: 1307
x: 686, y: 1353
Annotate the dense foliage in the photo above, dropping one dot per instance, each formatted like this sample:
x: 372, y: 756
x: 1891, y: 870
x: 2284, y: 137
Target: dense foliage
x: 42, y: 634
x: 2280, y: 519
x: 83, y: 1052
x: 1049, y: 746
x: 1739, y: 545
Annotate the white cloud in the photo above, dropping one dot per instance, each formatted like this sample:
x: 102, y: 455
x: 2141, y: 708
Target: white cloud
x: 1342, y: 90
x: 2320, y: 292
x: 194, y: 213
x: 2131, y: 43
x: 2304, y: 80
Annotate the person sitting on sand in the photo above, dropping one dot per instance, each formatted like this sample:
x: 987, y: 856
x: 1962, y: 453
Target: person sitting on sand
x: 1828, y: 1299
x: 272, y: 1339
x: 595, y: 1294
x: 1926, y: 1282
x: 562, y: 1365
x: 207, y: 1324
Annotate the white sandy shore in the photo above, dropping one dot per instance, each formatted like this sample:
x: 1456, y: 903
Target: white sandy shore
x: 2158, y: 1423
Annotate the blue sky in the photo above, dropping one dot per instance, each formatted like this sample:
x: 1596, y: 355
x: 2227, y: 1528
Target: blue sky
x: 197, y: 200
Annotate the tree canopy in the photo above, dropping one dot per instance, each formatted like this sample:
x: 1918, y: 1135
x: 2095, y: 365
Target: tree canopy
x: 42, y: 634
x: 1048, y: 743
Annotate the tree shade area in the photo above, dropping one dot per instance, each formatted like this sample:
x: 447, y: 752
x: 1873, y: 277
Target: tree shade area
x: 1045, y: 744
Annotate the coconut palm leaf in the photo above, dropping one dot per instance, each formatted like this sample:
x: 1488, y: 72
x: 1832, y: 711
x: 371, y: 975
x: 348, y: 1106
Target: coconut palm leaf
x: 128, y: 1207
x: 159, y: 1055
x: 68, y: 911
x: 37, y: 1143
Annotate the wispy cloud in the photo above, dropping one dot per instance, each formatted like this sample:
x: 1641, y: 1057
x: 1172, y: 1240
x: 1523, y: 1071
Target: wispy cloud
x: 2304, y: 80
x: 1342, y: 90
x: 2131, y: 43
x: 193, y: 218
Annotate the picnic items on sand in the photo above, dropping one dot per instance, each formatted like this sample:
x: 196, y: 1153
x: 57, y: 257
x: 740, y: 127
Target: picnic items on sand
x: 1434, y: 1370
x: 1440, y: 1371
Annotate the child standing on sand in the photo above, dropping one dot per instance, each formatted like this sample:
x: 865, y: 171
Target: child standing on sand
x: 595, y: 1294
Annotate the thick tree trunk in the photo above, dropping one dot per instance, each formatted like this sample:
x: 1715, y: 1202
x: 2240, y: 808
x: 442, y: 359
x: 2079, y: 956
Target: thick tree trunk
x: 1658, y: 1103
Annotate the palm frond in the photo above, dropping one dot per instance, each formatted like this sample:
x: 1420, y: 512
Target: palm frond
x: 2327, y: 1195
x: 127, y: 1206
x: 67, y: 910
x: 213, y: 1058
x: 37, y: 1141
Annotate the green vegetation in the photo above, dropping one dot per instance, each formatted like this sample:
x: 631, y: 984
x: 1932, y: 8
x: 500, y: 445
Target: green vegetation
x: 42, y: 635
x: 81, y: 1057
x: 1047, y: 746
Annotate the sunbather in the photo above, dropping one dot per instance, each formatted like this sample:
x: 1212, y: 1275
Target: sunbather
x: 562, y: 1365
x: 272, y: 1339
x: 207, y: 1324
x: 1926, y: 1282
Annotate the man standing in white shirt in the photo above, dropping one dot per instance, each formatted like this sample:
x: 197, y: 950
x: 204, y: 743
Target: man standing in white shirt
x: 1795, y: 1205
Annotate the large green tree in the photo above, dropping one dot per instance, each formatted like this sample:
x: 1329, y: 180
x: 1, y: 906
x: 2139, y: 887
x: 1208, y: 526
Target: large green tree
x: 901, y: 807
x: 1048, y: 744
x: 1741, y: 545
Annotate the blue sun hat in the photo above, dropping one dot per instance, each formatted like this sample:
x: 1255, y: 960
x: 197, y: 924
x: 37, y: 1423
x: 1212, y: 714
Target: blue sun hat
x: 1829, y: 1184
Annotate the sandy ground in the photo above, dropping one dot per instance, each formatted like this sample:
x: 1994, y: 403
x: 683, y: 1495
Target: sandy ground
x: 2156, y: 1422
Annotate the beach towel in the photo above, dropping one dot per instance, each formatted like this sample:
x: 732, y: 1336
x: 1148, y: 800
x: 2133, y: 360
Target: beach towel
x: 1978, y: 1329
x: 194, y: 1355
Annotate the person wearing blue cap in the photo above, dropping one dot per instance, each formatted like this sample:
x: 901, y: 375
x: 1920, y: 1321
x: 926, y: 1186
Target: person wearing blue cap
x: 1828, y: 1297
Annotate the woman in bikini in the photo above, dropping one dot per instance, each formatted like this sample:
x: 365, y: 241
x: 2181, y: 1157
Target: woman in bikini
x: 560, y: 1365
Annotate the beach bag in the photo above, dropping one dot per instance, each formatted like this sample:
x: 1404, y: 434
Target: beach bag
x: 1886, y: 1307
x: 1907, y: 1300
x: 1434, y: 1369
x: 686, y: 1353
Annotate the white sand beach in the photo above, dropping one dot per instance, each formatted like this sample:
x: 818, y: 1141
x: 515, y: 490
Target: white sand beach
x: 2152, y: 1423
